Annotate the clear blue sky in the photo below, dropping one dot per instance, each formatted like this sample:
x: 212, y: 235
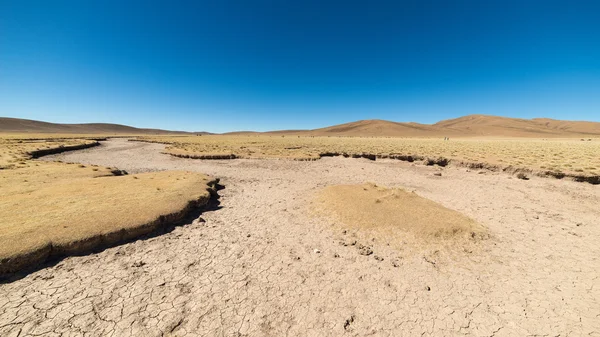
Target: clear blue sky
x: 224, y: 65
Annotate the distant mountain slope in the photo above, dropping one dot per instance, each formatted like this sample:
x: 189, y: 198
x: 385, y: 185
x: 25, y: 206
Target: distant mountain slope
x: 467, y: 126
x: 381, y: 128
x: 482, y: 125
x: 592, y: 128
x: 18, y: 125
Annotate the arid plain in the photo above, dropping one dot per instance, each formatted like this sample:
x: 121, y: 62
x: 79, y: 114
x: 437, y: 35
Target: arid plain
x: 368, y: 229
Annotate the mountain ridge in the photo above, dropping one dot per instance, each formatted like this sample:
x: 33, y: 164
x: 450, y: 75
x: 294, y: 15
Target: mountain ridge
x: 19, y: 125
x: 465, y: 126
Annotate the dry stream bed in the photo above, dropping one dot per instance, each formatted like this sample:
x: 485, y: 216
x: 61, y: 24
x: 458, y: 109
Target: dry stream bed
x: 265, y: 264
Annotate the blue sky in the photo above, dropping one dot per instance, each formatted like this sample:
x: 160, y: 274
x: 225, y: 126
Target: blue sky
x: 264, y: 65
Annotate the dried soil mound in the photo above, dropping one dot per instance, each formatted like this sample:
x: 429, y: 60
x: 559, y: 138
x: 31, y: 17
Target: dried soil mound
x: 395, y: 213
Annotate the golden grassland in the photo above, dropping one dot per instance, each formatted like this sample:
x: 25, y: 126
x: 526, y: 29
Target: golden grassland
x: 52, y: 209
x: 571, y: 156
x: 14, y: 152
x: 15, y: 148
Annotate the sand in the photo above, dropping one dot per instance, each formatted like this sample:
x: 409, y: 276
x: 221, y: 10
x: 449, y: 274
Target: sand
x: 264, y: 265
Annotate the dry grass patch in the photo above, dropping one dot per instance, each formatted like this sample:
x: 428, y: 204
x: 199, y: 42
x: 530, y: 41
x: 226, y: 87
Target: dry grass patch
x: 15, y: 152
x: 569, y: 156
x: 54, y: 209
x: 50, y: 209
x: 395, y: 215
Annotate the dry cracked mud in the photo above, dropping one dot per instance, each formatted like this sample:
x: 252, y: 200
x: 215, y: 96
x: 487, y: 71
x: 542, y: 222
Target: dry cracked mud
x: 262, y: 265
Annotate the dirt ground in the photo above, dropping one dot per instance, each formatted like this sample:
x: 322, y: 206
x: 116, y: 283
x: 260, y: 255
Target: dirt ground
x: 265, y: 265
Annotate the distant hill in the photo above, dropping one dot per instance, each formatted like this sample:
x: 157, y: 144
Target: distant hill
x: 381, y: 128
x: 467, y: 126
x: 482, y: 125
x: 18, y: 125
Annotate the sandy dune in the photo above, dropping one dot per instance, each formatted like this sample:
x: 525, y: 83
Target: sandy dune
x: 264, y: 265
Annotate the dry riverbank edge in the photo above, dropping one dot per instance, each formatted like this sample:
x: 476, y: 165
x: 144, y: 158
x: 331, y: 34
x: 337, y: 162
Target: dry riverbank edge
x: 178, y: 149
x: 74, y: 233
x: 50, y: 210
x: 61, y: 149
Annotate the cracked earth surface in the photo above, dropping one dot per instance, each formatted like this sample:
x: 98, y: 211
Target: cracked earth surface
x: 263, y: 265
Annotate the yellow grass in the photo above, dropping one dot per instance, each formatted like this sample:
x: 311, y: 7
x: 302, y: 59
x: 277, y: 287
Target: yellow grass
x: 15, y: 152
x: 394, y: 214
x: 49, y: 208
x: 558, y: 155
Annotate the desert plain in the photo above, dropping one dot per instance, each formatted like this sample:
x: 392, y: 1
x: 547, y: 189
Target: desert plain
x: 356, y: 231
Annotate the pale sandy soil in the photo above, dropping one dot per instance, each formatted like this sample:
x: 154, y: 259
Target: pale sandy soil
x: 264, y: 265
